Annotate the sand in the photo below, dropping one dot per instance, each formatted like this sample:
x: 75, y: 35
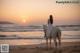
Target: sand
x: 66, y: 47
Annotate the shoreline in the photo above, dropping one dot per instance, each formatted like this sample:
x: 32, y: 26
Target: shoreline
x: 66, y: 47
x: 43, y: 44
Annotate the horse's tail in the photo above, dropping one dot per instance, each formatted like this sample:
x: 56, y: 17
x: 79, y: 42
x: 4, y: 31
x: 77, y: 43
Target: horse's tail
x: 59, y: 34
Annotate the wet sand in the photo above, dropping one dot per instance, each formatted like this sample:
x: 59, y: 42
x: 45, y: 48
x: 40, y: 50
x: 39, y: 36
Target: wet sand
x: 66, y: 47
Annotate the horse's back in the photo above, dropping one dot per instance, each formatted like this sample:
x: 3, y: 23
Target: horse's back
x: 55, y: 32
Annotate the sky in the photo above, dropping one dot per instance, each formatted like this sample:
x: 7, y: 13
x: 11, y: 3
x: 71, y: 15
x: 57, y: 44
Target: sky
x: 36, y: 12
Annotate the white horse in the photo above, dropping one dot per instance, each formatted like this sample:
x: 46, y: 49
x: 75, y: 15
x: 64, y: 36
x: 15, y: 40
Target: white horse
x: 55, y: 34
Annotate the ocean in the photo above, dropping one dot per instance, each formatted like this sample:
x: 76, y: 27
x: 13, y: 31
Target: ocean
x: 35, y: 37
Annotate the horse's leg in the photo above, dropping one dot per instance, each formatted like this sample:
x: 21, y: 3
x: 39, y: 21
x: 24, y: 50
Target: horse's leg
x: 47, y: 42
x: 50, y: 42
x: 59, y: 41
x: 55, y: 43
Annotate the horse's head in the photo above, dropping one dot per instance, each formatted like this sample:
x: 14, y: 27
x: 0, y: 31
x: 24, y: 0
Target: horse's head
x: 45, y: 30
x: 45, y: 27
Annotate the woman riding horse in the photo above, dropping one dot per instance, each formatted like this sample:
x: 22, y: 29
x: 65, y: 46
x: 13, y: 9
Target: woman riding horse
x: 52, y: 32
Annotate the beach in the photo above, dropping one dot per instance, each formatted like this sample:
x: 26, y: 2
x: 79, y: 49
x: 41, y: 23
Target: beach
x: 66, y: 47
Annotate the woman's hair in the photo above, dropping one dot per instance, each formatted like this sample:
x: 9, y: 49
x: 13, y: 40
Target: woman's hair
x: 51, y: 19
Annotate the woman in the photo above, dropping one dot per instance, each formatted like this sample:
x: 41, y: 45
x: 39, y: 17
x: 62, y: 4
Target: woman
x: 50, y: 24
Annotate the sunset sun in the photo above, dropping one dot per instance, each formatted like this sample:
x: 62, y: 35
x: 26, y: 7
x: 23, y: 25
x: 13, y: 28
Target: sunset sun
x: 24, y: 20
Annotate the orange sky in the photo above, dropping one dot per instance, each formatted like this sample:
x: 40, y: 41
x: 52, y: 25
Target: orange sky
x: 38, y: 11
